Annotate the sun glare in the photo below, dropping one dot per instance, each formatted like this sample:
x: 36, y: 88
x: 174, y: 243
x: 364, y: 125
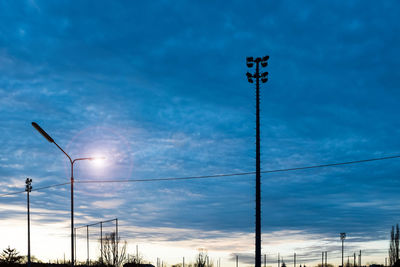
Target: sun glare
x: 98, y: 161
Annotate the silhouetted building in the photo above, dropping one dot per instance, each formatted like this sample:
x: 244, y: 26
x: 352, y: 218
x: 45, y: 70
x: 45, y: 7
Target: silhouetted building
x: 138, y: 265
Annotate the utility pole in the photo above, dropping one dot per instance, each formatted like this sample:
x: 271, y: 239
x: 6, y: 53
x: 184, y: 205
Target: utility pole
x: 265, y: 260
x: 359, y: 258
x: 237, y: 260
x: 294, y: 260
x: 354, y: 263
x: 322, y: 263
x: 279, y: 260
x: 342, y: 237
x: 28, y: 189
x: 183, y: 265
x: 264, y: 79
x: 326, y: 258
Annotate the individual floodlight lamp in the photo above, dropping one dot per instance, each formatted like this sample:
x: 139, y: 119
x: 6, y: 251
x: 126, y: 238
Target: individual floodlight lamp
x: 249, y: 62
x: 249, y: 77
x: 264, y: 62
x: 264, y: 77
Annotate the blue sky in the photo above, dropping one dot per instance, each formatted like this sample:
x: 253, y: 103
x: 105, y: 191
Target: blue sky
x: 159, y: 88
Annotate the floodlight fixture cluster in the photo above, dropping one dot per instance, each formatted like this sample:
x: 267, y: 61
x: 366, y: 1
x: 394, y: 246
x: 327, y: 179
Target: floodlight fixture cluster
x: 257, y: 75
x: 28, y: 185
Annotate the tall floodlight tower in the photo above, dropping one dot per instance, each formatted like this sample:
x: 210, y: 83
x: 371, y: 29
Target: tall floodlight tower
x: 264, y: 78
x: 342, y: 237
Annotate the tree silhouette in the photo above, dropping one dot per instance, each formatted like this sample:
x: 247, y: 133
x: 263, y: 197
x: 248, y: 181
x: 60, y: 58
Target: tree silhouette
x: 136, y: 260
x: 394, y: 245
x: 113, y: 253
x: 10, y: 256
x: 201, y: 259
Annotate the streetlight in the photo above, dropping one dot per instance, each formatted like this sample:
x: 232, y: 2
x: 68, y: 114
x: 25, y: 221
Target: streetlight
x: 264, y: 78
x: 72, y: 161
x: 28, y: 189
x: 342, y: 237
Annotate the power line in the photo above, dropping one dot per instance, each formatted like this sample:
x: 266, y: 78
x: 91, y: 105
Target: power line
x: 238, y: 174
x: 34, y: 189
x: 212, y: 176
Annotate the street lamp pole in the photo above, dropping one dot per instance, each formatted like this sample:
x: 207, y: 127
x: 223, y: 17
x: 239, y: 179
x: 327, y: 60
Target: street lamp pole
x: 264, y: 78
x: 28, y: 189
x: 342, y: 237
x: 72, y: 161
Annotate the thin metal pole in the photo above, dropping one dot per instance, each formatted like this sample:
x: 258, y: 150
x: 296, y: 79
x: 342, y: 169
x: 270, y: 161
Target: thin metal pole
x: 87, y: 243
x: 116, y: 236
x: 342, y: 252
x: 101, y: 241
x: 294, y: 260
x: 75, y: 239
x: 322, y: 263
x: 183, y: 262
x: 72, y: 215
x: 265, y: 260
x: 237, y: 260
x: 279, y: 260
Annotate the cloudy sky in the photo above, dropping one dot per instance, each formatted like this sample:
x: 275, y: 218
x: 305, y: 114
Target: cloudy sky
x: 159, y: 89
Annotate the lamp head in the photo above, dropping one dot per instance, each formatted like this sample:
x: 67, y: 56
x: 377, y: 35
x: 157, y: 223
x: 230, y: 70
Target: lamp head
x: 42, y: 132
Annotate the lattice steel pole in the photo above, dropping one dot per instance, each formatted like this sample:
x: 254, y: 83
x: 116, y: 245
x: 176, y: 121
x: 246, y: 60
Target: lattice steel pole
x: 264, y: 78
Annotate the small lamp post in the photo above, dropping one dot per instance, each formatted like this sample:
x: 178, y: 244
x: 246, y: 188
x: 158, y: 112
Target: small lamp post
x: 72, y: 161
